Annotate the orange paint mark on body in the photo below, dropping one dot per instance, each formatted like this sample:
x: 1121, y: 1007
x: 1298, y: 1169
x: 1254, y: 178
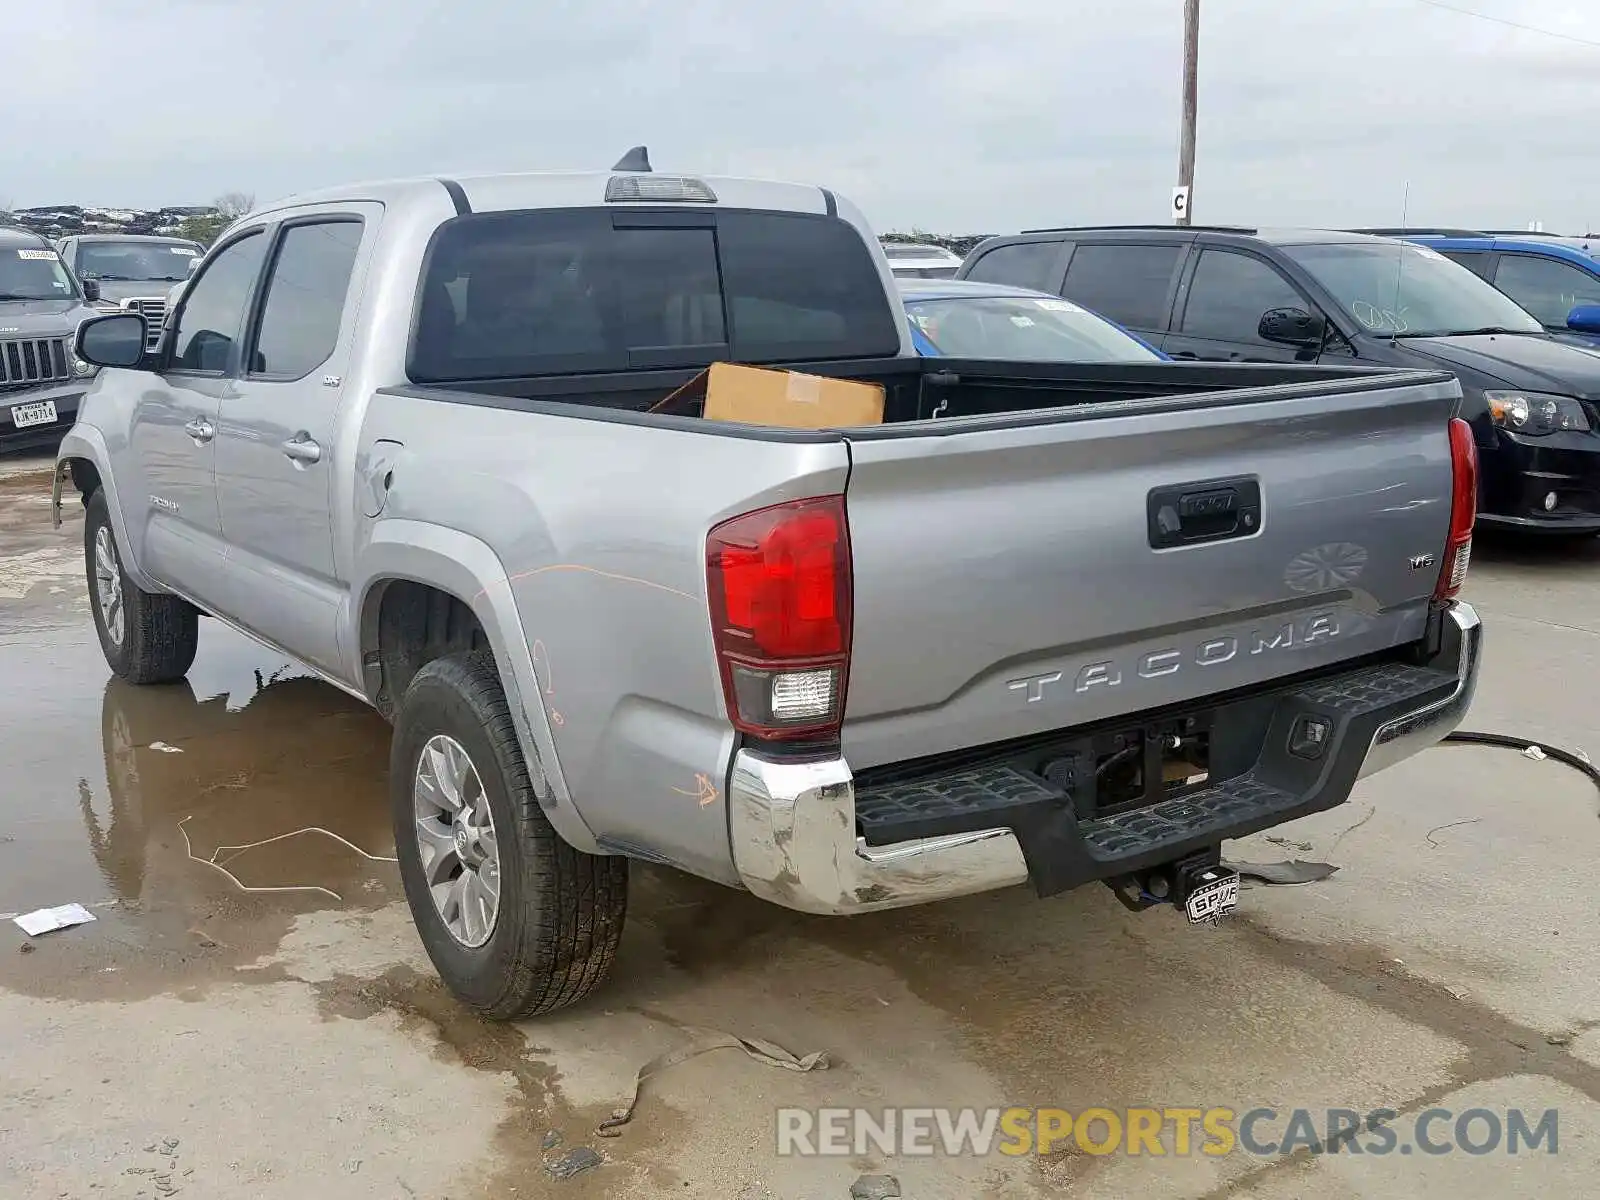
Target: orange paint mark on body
x: 613, y: 575
x: 704, y: 791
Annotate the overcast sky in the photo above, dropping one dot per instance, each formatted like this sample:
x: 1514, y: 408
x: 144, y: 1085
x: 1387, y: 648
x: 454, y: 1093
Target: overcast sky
x: 945, y: 114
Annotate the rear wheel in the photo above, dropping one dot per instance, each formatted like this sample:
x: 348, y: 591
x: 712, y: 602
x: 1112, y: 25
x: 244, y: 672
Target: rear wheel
x: 146, y: 637
x: 516, y: 921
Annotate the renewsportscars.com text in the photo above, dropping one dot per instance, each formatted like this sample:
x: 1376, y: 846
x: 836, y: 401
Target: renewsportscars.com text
x: 1175, y: 1131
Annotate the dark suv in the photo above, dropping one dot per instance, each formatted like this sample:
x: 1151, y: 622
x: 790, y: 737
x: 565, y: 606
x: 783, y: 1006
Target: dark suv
x: 41, y: 377
x: 1229, y: 294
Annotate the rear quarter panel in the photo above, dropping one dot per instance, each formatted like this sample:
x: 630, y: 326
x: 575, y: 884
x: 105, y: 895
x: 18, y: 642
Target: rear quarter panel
x: 598, y: 528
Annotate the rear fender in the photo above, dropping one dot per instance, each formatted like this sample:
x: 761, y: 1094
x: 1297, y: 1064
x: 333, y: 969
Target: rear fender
x: 468, y: 569
x: 85, y: 442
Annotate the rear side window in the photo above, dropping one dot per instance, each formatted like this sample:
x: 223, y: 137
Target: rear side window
x: 1545, y: 287
x: 1229, y: 294
x: 1022, y: 264
x: 1475, y: 261
x: 1129, y: 284
x: 305, y: 297
x: 554, y: 292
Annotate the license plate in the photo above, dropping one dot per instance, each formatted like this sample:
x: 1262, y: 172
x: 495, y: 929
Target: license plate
x: 42, y: 412
x: 1212, y: 901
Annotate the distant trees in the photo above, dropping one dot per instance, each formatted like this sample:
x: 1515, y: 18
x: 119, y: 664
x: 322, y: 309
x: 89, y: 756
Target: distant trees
x: 226, y: 209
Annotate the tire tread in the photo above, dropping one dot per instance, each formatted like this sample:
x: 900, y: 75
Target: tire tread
x: 161, y: 633
x: 570, y: 931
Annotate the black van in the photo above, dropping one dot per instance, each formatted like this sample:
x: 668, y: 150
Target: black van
x: 1229, y: 294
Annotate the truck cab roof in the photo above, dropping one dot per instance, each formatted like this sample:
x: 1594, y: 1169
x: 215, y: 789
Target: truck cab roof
x: 571, y: 189
x: 157, y: 238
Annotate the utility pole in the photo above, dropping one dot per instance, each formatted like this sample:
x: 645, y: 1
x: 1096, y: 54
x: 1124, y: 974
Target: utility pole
x: 1191, y: 63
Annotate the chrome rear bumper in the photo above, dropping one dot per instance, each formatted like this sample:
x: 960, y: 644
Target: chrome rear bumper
x: 795, y: 841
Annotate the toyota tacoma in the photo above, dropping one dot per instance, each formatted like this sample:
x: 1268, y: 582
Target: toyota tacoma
x: 1047, y: 623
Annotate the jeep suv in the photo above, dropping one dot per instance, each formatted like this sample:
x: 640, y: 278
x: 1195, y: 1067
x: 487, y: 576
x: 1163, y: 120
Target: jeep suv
x: 1235, y: 294
x: 133, y: 271
x: 41, y: 378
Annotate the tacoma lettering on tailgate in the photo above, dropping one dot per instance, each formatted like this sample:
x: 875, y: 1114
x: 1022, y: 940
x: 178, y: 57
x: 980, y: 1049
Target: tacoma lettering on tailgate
x: 1217, y: 649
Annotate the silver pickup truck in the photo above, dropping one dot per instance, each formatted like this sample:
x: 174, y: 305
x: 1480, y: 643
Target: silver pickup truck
x: 1045, y: 623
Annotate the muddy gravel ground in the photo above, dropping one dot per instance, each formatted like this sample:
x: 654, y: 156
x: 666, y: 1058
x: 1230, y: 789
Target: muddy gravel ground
x: 252, y: 1018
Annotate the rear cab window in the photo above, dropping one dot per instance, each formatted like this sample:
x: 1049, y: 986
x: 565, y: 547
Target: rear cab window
x: 579, y: 291
x: 1129, y: 282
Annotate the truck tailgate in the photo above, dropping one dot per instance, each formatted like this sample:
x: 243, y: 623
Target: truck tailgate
x: 1014, y: 580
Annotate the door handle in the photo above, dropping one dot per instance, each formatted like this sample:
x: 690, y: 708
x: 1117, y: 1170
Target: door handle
x: 302, y: 448
x: 1208, y: 511
x: 1185, y: 355
x: 201, y: 430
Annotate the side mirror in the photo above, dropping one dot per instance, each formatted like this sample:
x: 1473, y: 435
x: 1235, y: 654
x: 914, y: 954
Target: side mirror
x: 114, y: 340
x: 194, y: 264
x: 1584, y: 319
x: 91, y: 289
x: 1293, y: 327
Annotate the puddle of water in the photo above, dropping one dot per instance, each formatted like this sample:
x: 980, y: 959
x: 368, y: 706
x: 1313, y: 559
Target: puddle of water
x: 163, y: 845
x: 91, y: 812
x: 41, y: 567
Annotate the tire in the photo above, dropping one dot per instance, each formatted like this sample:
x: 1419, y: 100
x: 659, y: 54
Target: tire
x: 158, y: 634
x: 559, y: 913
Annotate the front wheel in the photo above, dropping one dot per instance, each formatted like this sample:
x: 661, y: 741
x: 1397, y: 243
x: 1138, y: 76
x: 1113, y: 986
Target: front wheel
x: 146, y: 637
x: 516, y: 921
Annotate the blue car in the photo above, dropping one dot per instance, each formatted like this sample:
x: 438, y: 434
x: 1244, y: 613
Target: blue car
x: 993, y: 320
x: 1557, y: 279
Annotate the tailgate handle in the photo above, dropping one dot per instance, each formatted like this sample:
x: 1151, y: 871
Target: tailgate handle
x: 1212, y: 510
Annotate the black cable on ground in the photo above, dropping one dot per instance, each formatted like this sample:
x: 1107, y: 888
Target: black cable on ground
x: 1572, y: 760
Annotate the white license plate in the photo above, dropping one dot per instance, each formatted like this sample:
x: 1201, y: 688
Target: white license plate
x: 1211, y: 902
x: 42, y: 412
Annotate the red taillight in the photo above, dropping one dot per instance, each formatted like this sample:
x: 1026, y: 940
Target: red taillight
x: 779, y: 584
x: 1463, y: 510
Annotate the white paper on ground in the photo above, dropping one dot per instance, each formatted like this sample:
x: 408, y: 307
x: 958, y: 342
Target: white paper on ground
x: 47, y: 920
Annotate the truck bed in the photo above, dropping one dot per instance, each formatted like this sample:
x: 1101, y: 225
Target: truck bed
x: 1007, y: 580
x: 917, y: 390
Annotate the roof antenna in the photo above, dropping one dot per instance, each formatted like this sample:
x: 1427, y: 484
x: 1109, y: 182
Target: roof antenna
x: 1399, y: 261
x: 637, y: 159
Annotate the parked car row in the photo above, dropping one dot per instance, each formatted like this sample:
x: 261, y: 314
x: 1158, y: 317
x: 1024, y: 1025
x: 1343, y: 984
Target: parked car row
x: 1244, y: 295
x: 1515, y: 317
x: 46, y: 291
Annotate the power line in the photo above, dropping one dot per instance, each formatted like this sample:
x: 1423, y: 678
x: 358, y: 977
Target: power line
x: 1467, y: 12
